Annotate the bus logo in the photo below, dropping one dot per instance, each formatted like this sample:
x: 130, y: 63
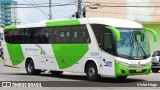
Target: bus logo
x: 108, y: 63
x: 42, y: 52
x: 138, y: 66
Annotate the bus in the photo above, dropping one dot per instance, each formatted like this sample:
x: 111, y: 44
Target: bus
x: 99, y: 47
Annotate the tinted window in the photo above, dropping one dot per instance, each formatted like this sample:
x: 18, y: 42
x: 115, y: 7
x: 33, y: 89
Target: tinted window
x: 9, y: 36
x: 80, y: 34
x: 48, y: 35
x: 62, y: 34
x: 104, y: 38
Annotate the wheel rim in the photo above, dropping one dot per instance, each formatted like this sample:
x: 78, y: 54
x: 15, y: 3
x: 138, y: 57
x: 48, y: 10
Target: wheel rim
x: 30, y: 67
x: 91, y: 72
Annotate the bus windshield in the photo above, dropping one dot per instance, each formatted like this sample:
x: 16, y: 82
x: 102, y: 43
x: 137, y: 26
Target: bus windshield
x: 133, y: 44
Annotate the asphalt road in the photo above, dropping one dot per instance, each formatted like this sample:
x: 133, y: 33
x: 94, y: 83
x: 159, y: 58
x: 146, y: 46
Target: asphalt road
x: 75, y: 79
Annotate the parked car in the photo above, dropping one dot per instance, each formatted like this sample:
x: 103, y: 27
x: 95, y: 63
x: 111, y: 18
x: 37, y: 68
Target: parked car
x: 156, y: 62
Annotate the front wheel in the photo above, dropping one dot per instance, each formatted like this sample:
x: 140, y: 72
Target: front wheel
x: 92, y: 72
x: 30, y: 68
x: 121, y: 77
x: 155, y: 70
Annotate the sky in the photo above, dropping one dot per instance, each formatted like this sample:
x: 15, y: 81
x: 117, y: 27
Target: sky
x: 32, y: 15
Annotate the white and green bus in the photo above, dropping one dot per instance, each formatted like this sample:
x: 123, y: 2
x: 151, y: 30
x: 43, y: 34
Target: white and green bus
x: 95, y: 46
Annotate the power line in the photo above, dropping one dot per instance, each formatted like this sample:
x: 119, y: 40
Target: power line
x: 37, y: 8
x: 121, y: 3
x: 128, y: 13
x: 40, y: 9
x: 124, y: 6
x: 86, y: 6
x: 43, y: 3
x: 94, y: 3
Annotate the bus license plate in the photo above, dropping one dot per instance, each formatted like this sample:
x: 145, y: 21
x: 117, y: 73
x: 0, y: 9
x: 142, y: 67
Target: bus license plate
x: 139, y: 70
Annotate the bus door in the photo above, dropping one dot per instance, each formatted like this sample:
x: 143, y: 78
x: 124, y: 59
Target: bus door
x: 107, y: 46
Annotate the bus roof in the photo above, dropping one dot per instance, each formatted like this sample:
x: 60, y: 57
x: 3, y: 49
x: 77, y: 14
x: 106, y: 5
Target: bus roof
x: 121, y: 23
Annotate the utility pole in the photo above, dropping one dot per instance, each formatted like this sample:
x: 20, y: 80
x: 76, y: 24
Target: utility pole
x: 50, y: 9
x: 79, y: 8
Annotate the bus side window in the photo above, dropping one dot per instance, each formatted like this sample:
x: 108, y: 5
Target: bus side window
x: 80, y: 34
x: 50, y: 34
x: 104, y: 38
x: 107, y: 46
x: 9, y: 36
x: 43, y: 35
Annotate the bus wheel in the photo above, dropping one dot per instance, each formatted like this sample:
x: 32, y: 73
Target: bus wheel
x: 121, y: 77
x: 155, y: 70
x: 30, y: 68
x: 92, y: 73
x: 56, y: 73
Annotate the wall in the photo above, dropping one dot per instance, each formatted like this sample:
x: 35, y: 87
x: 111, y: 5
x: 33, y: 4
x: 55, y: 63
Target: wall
x: 110, y: 12
x: 155, y: 46
x: 140, y: 14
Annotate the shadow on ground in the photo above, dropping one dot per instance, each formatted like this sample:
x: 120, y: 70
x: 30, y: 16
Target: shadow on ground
x: 82, y: 78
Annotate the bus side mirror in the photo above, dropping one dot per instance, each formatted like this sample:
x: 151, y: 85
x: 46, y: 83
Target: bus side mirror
x: 153, y: 32
x: 116, y: 32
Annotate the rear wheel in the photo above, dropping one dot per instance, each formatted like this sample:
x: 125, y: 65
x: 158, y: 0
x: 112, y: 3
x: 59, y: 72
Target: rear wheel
x: 92, y: 72
x: 121, y: 77
x: 155, y: 70
x: 30, y: 69
x: 56, y: 73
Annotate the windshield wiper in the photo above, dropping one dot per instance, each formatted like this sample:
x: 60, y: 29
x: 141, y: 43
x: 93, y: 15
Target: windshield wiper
x: 142, y: 49
x: 137, y: 50
x: 135, y: 41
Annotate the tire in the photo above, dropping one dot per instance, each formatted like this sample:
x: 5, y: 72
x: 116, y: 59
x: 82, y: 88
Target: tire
x: 155, y: 70
x: 121, y: 77
x: 30, y: 68
x: 92, y: 72
x: 56, y: 73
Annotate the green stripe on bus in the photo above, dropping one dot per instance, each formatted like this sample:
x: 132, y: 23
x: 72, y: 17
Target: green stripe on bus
x: 63, y: 23
x: 10, y: 27
x: 15, y: 53
x: 69, y: 54
x: 119, y: 67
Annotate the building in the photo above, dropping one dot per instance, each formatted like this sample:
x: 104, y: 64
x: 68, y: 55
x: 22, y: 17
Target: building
x: 140, y: 11
x: 146, y: 12
x: 8, y: 15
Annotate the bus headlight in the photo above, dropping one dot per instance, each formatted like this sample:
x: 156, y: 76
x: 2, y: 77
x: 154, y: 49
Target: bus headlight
x: 122, y: 71
x: 132, y: 65
x: 122, y: 63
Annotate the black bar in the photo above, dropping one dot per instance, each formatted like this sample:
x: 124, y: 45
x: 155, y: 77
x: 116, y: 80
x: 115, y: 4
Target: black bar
x: 76, y: 84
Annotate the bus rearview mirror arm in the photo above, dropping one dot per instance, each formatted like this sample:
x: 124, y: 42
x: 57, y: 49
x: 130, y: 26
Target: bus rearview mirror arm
x: 116, y: 32
x: 153, y: 32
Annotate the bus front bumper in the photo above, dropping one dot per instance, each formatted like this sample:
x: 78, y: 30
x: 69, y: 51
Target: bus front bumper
x: 122, y: 70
